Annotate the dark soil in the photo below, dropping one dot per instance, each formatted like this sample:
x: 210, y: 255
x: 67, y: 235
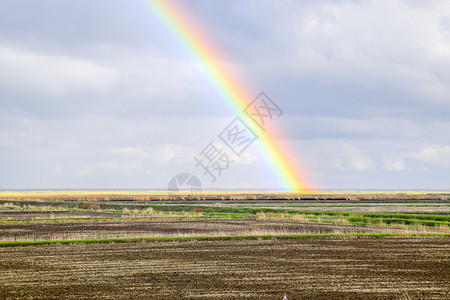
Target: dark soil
x: 388, y: 268
x: 36, y: 215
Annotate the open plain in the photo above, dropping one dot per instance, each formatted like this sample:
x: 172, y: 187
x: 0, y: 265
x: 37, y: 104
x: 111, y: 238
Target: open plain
x: 53, y: 246
x: 349, y: 268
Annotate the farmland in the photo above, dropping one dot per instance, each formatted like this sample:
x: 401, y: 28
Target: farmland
x: 132, y: 245
x: 306, y: 269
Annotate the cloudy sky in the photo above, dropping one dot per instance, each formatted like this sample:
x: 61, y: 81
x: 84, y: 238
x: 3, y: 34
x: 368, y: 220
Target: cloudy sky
x: 98, y: 94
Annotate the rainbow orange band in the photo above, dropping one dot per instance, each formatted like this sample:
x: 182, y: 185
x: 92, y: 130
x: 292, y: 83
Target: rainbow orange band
x: 276, y: 153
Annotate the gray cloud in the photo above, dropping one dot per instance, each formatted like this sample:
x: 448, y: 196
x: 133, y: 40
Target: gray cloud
x: 99, y: 94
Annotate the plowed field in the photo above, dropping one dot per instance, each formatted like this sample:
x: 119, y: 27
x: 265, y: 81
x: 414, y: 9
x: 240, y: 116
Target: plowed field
x: 349, y: 268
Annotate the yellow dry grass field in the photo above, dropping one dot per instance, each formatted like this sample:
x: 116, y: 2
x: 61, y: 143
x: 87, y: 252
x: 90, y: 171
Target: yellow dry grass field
x: 219, y: 195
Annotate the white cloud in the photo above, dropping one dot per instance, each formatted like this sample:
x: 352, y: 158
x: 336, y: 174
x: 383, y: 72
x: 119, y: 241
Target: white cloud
x: 369, y: 128
x: 334, y: 155
x: 361, y: 162
x: 106, y: 166
x: 164, y: 155
x: 394, y: 160
x: 130, y: 151
x: 387, y: 45
x: 434, y: 154
x: 355, y: 158
x: 394, y: 165
x: 55, y: 76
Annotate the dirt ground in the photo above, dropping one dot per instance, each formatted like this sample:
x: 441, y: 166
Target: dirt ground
x: 35, y: 215
x: 378, y: 208
x: 373, y: 207
x: 137, y: 228
x: 350, y: 268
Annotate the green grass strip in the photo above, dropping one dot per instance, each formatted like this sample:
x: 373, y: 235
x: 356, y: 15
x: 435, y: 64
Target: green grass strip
x: 373, y: 221
x: 221, y: 238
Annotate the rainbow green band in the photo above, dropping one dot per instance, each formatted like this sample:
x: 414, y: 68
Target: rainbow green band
x: 276, y: 153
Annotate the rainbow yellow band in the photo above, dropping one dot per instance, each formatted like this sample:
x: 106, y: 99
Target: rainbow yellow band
x: 276, y: 153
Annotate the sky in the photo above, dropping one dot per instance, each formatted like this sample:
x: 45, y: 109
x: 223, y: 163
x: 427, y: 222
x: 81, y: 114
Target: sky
x: 98, y: 94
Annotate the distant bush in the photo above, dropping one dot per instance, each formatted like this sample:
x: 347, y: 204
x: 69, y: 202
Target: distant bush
x: 148, y: 211
x: 86, y: 205
x: 10, y: 205
x: 261, y: 216
x: 299, y: 219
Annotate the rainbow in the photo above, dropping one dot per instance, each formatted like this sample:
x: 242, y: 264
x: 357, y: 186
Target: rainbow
x: 282, y: 162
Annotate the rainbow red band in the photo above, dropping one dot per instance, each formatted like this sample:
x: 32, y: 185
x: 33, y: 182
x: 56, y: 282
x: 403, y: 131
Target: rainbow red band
x: 281, y: 160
